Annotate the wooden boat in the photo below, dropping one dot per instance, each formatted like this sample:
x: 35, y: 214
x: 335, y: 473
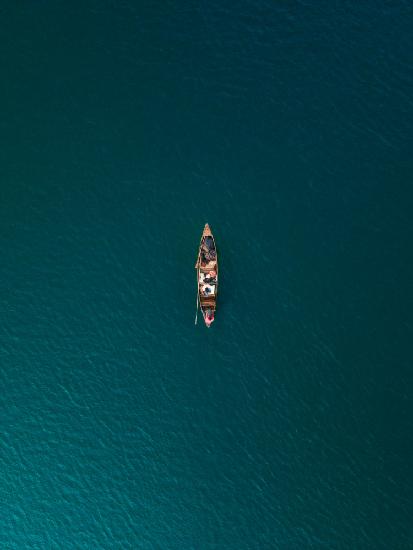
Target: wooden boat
x: 207, y: 277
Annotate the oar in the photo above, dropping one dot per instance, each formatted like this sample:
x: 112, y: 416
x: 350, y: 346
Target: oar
x: 197, y: 306
x: 197, y: 282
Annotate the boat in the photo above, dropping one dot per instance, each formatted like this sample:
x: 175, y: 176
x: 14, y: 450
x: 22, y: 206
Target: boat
x: 207, y: 277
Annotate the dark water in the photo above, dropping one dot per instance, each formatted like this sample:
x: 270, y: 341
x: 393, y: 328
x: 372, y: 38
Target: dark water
x: 125, y: 127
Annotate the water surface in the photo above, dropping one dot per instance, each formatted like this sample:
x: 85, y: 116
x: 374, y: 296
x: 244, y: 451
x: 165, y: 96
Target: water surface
x: 125, y: 127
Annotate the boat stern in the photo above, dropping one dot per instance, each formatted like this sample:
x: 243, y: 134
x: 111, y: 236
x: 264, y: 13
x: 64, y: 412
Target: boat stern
x: 209, y: 318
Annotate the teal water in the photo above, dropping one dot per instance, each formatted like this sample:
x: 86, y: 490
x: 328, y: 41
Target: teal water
x: 125, y: 127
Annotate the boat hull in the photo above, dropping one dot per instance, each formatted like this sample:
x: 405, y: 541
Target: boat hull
x: 207, y: 276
